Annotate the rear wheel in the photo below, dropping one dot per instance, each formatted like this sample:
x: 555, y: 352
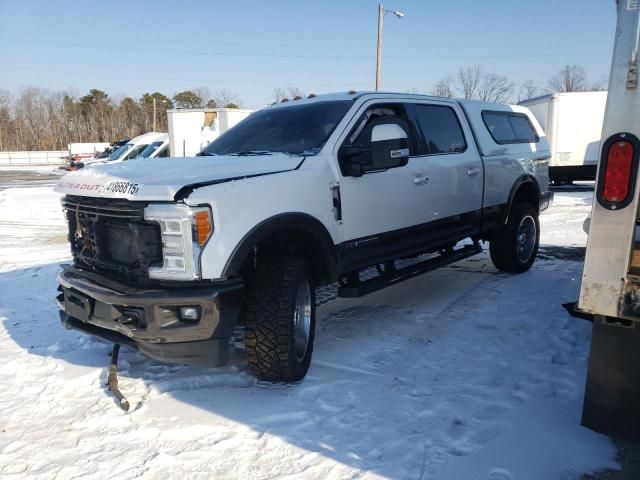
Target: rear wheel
x: 515, y: 247
x: 279, y: 318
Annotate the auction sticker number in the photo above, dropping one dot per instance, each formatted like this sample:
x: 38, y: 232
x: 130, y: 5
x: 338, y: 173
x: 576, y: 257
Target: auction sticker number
x: 122, y: 187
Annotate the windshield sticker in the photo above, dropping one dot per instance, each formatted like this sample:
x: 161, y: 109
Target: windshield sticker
x: 127, y: 188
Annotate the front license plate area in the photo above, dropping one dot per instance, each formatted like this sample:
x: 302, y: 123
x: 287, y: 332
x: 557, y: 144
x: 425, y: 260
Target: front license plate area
x: 77, y: 305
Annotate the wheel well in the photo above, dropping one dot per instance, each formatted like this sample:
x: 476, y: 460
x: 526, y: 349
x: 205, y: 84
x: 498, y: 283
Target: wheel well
x: 292, y: 240
x: 527, y: 193
x: 301, y: 242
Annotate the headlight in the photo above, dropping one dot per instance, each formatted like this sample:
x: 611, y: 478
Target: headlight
x: 184, y: 231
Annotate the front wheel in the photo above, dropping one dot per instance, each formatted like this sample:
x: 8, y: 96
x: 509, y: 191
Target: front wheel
x: 515, y: 247
x: 279, y: 318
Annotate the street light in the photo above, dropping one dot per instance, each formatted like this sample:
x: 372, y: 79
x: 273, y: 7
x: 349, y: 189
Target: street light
x: 154, y: 112
x: 381, y: 13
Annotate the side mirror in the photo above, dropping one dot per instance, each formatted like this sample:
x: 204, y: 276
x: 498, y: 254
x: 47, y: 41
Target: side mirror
x: 389, y: 146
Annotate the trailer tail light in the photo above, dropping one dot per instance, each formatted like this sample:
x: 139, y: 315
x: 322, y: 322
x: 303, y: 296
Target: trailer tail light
x: 618, y: 174
x: 618, y: 169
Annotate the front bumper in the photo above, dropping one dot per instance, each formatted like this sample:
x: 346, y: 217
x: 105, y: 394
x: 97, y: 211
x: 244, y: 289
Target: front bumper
x: 149, y: 320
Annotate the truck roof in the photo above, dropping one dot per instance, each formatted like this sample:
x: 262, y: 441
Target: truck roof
x: 353, y: 95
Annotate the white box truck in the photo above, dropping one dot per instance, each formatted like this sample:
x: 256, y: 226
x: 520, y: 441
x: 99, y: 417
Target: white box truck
x: 573, y: 124
x: 192, y: 129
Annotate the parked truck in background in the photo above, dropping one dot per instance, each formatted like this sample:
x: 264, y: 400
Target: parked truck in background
x: 363, y: 189
x: 129, y: 150
x: 573, y: 125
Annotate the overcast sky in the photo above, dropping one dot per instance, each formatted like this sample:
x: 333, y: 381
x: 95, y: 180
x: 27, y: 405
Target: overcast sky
x: 251, y: 47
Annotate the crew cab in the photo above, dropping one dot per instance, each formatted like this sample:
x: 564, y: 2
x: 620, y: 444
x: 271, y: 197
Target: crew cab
x: 170, y: 255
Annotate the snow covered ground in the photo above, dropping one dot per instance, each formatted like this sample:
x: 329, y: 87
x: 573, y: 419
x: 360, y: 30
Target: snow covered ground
x: 462, y: 373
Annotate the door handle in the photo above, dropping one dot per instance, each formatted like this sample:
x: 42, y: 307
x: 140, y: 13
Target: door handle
x: 472, y: 172
x: 420, y: 179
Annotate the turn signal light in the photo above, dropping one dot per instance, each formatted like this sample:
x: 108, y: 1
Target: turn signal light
x: 203, y: 227
x: 617, y: 178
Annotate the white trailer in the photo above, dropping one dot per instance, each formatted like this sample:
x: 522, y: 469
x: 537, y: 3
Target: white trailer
x: 573, y: 124
x: 192, y: 129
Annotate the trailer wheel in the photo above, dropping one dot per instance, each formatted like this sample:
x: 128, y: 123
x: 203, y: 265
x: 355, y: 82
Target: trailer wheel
x: 279, y: 318
x: 515, y: 247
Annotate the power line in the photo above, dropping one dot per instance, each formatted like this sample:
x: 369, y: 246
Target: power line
x: 305, y: 56
x: 160, y: 79
x: 216, y: 71
x: 165, y: 39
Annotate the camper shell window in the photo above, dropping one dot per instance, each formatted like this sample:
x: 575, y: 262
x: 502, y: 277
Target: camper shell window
x: 509, y: 127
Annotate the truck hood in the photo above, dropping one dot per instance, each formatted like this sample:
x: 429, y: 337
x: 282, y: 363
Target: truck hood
x: 162, y: 178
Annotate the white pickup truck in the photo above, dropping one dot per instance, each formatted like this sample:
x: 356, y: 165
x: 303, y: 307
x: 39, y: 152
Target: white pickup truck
x: 366, y: 189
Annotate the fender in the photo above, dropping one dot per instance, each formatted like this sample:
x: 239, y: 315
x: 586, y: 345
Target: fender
x: 520, y: 181
x: 293, y: 221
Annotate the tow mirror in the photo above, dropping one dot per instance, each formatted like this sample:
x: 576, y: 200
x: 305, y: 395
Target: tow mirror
x: 389, y: 148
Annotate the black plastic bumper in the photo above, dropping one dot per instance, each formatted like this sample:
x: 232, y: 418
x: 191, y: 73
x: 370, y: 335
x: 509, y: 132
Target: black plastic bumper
x: 571, y: 173
x: 149, y: 320
x: 545, y: 200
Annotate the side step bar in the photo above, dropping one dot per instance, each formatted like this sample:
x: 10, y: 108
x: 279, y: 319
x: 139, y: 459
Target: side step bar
x: 385, y: 279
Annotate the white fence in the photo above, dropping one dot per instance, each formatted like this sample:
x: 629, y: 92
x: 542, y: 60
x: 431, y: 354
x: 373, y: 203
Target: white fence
x: 35, y: 159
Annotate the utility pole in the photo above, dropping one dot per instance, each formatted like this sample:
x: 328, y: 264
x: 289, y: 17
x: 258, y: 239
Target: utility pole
x: 154, y: 115
x: 379, y: 50
x: 381, y: 13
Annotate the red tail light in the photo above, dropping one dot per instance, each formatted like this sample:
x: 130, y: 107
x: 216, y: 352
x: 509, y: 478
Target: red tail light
x: 617, y: 178
x: 618, y: 170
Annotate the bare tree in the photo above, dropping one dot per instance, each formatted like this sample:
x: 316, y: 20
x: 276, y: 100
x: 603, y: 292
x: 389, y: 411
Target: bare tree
x: 227, y: 98
x: 295, y: 92
x: 278, y: 94
x: 444, y: 87
x: 494, y: 88
x: 205, y: 94
x: 469, y: 79
x: 528, y: 89
x: 571, y: 78
x: 600, y: 85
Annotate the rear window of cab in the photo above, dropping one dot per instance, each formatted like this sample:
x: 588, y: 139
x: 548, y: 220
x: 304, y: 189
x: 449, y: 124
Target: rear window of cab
x: 509, y: 127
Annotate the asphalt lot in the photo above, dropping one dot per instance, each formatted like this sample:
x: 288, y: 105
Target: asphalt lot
x: 26, y: 178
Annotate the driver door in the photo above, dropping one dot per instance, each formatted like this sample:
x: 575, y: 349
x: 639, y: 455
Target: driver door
x: 381, y: 207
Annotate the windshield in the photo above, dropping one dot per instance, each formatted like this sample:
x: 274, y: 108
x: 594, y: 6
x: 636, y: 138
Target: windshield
x: 152, y: 147
x: 118, y: 152
x: 300, y: 129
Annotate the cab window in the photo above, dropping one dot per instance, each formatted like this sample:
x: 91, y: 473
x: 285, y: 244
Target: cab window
x: 381, y: 114
x: 164, y: 153
x: 135, y: 151
x: 440, y: 129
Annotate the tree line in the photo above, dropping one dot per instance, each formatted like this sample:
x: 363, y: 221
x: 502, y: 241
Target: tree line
x: 41, y: 119
x: 475, y: 83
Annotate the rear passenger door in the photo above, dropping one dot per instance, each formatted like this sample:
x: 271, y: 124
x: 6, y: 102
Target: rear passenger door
x: 449, y: 158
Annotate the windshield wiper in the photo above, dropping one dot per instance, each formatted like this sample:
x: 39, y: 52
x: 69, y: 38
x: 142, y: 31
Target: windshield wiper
x: 249, y: 153
x: 206, y: 154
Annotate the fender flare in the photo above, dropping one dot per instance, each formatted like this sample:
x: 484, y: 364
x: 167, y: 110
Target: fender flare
x: 284, y: 221
x: 520, y: 181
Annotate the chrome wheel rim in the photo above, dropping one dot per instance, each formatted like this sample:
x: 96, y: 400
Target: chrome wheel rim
x: 302, y: 319
x: 526, y: 238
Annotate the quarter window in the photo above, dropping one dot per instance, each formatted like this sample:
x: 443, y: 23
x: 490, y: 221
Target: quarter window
x: 441, y: 129
x: 509, y: 127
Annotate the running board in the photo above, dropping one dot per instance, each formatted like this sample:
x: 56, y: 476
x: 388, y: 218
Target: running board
x: 379, y: 282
